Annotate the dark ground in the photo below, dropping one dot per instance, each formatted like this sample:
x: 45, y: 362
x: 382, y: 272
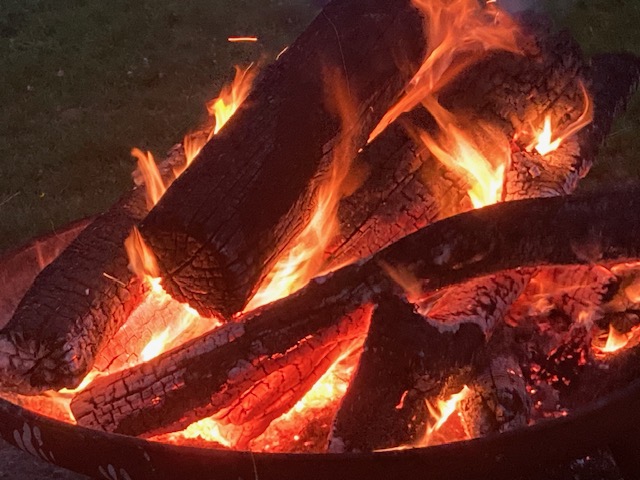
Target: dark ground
x: 107, y: 76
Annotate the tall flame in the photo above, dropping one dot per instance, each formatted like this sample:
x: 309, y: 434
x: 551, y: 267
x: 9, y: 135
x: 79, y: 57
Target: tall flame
x: 459, y: 33
x: 546, y: 141
x: 305, y: 259
x: 458, y: 151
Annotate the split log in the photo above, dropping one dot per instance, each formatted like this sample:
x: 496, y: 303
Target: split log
x: 76, y: 304
x: 178, y: 385
x: 224, y: 221
x: 211, y: 373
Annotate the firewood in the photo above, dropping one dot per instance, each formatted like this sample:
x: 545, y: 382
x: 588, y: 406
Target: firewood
x: 210, y: 374
x: 498, y: 400
x: 180, y: 386
x: 381, y: 409
x: 76, y: 304
x: 223, y: 222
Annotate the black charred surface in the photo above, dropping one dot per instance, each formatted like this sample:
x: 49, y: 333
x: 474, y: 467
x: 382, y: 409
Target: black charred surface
x: 225, y: 220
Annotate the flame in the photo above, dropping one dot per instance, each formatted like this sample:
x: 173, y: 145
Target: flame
x: 615, y: 340
x: 207, y: 429
x: 304, y: 260
x: 443, y: 410
x: 154, y: 185
x: 546, y: 142
x: 458, y: 151
x: 459, y: 33
x: 142, y: 260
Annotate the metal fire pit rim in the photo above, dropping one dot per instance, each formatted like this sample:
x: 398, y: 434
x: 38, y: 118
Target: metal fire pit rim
x: 498, y: 455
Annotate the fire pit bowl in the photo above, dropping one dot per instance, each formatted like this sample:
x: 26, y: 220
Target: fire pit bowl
x: 611, y: 422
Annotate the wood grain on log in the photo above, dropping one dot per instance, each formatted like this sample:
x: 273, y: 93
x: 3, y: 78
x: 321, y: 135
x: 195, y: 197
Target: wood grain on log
x: 225, y: 220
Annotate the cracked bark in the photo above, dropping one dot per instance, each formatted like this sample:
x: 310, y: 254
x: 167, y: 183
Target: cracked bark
x: 559, y: 231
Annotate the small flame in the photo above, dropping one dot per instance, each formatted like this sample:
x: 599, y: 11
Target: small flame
x: 154, y: 185
x: 305, y: 259
x: 546, y: 142
x: 207, y: 429
x: 142, y: 260
x: 443, y: 410
x: 615, y: 340
x: 231, y: 97
x: 459, y: 33
x: 459, y: 152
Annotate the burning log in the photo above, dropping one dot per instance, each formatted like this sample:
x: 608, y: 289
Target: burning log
x: 181, y: 386
x: 76, y: 304
x: 380, y: 409
x: 258, y: 174
x: 209, y: 374
x: 45, y: 346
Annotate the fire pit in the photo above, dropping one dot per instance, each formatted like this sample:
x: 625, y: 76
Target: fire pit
x: 610, y: 422
x: 342, y: 280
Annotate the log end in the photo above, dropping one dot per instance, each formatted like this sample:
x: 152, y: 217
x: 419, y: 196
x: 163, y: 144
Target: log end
x: 195, y: 272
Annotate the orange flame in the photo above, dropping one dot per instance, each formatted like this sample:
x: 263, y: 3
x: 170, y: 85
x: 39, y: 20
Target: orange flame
x: 459, y: 33
x: 615, y: 340
x: 305, y: 259
x: 546, y: 142
x: 153, y: 183
x: 443, y: 410
x: 458, y: 151
x: 142, y: 260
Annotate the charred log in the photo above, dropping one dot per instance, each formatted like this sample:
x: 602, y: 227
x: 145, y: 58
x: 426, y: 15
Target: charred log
x: 381, y: 409
x: 562, y: 230
x: 76, y: 304
x: 259, y: 176
x: 498, y: 399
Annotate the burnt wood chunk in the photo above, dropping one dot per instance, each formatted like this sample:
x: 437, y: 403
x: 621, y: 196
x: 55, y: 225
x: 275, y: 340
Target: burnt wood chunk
x: 273, y: 345
x: 74, y: 305
x: 380, y: 409
x: 77, y: 303
x: 222, y: 224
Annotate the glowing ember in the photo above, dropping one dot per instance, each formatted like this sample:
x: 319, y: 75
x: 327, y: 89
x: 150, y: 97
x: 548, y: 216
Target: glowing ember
x: 443, y: 410
x: 305, y: 259
x: 459, y: 33
x: 546, y: 142
x: 242, y: 39
x: 458, y: 151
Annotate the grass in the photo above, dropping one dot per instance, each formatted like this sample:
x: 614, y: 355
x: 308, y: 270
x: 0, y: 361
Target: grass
x: 82, y: 81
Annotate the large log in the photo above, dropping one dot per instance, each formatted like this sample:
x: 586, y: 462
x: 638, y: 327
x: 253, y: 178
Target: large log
x: 224, y: 221
x: 77, y: 303
x: 178, y: 385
